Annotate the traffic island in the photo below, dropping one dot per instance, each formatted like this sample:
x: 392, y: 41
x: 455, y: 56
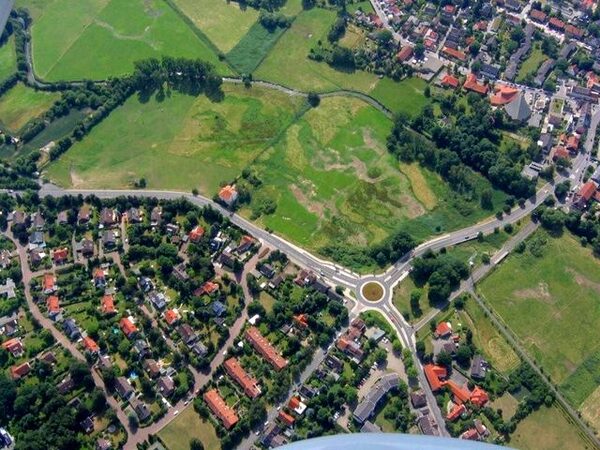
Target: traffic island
x: 372, y: 291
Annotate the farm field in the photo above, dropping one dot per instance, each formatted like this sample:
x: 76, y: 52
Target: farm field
x: 8, y: 59
x: 21, y: 104
x: 547, y: 428
x: 181, y: 142
x: 253, y: 47
x: 333, y: 181
x: 177, y: 435
x: 105, y: 37
x: 553, y: 305
x: 226, y: 24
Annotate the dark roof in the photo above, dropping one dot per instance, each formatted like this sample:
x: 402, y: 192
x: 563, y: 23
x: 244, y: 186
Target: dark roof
x: 368, y: 404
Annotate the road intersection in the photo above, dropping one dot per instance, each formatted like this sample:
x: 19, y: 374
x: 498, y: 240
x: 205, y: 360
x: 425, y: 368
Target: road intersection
x: 334, y: 274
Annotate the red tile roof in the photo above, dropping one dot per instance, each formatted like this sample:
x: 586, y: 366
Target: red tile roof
x: 286, y: 418
x: 453, y: 53
x: 90, y: 345
x: 538, y: 15
x: 479, y: 397
x: 450, y: 81
x: 572, y: 142
x: 301, y: 320
x: 264, y: 347
x: 207, y: 288
x: 127, y: 326
x: 228, y: 194
x: 294, y: 402
x: 237, y: 372
x: 17, y: 372
x: 171, y: 316
x: 573, y: 31
x: 471, y: 84
x: 443, y: 329
x: 405, y: 53
x: 108, y: 304
x: 53, y: 304
x: 433, y: 374
x: 49, y: 282
x: 471, y: 434
x: 560, y: 152
x: 60, y: 254
x: 218, y: 406
x: 461, y: 394
x: 99, y: 274
x: 587, y: 190
x: 196, y: 234
x: 503, y: 95
x: 456, y: 412
x: 556, y: 23
x: 13, y: 345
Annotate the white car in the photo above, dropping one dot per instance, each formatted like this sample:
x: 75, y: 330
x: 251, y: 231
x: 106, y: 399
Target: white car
x: 175, y: 412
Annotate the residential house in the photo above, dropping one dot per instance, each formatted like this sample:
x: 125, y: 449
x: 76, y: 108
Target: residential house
x: 109, y: 217
x: 71, y: 329
x: 171, y: 316
x: 156, y: 216
x: 14, y: 346
x: 140, y: 408
x: 418, y: 399
x: 151, y: 367
x: 134, y: 215
x: 90, y: 345
x: 247, y: 382
x: 368, y: 404
x: 141, y: 347
x: 128, y: 327
x: 53, y: 305
x: 228, y: 194
x: 87, y: 425
x: 456, y: 412
x: 478, y: 367
x: 543, y: 72
x: 196, y: 234
x: 405, y: 53
x: 84, y: 215
x: 370, y: 427
x: 165, y: 386
x: 109, y: 240
x: 60, y: 255
x: 37, y: 221
x: 245, y: 244
x: 450, y: 81
x: 86, y: 247
x: 435, y: 376
x: 264, y: 347
x: 207, y: 288
x: 66, y: 385
x: 267, y: 270
x: 443, y: 330
x: 584, y: 195
x: 158, y: 299
x: 187, y: 334
x: 108, y: 304
x: 36, y: 240
x: 220, y: 409
x: 180, y: 273
x: 123, y: 388
x: 471, y: 84
x: 18, y: 372
x: 218, y: 308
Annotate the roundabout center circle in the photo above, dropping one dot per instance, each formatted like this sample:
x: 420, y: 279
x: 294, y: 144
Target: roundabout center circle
x: 372, y: 291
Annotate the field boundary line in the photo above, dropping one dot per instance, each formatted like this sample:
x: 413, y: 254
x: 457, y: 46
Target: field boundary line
x: 200, y: 34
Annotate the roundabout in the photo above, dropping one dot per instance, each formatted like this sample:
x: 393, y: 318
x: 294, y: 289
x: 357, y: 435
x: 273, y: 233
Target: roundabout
x: 372, y: 291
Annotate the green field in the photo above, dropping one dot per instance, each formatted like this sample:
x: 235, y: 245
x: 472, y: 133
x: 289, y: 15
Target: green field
x: 488, y: 339
x: 405, y: 96
x: 177, y: 434
x: 548, y: 429
x: 21, y: 104
x: 8, y: 59
x: 287, y: 63
x: 553, y: 304
x: 181, y: 142
x: 105, y: 37
x: 223, y: 22
x: 334, y: 182
x: 253, y: 48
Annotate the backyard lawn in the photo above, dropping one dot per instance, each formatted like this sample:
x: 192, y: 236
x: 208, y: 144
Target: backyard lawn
x: 21, y: 104
x: 105, y: 37
x: 188, y: 425
x: 552, y: 303
x: 180, y: 142
x: 532, y: 63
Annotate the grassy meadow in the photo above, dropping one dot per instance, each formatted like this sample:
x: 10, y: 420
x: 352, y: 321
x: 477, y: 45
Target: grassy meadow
x: 253, y: 47
x: 21, y: 104
x: 188, y: 425
x: 105, y: 37
x: 552, y: 303
x: 548, y: 429
x: 179, y: 142
x: 226, y: 23
x: 8, y: 59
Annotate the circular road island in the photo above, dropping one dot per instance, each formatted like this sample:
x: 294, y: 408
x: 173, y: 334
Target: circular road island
x: 372, y: 291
